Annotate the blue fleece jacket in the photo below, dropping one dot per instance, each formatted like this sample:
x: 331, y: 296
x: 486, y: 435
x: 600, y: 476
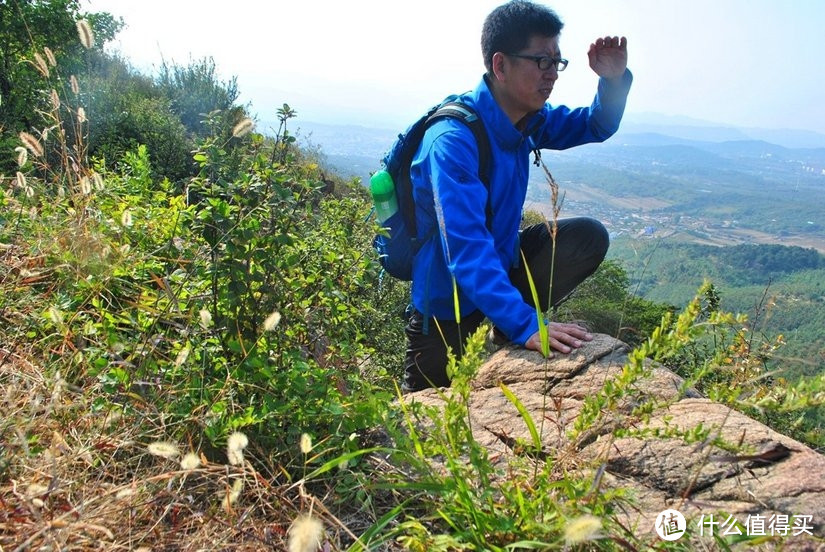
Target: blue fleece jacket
x: 450, y: 197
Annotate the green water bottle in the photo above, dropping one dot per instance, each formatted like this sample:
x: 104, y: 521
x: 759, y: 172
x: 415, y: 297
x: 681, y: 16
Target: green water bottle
x: 383, y: 195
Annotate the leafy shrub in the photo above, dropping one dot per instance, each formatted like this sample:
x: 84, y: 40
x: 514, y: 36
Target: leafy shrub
x: 244, y: 300
x: 144, y: 121
x: 606, y: 302
x: 194, y: 90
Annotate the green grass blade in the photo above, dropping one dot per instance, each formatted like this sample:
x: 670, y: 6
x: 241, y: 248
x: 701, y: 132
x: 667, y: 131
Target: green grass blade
x: 528, y: 420
x: 343, y: 458
x: 376, y: 529
x: 543, y: 333
x: 528, y: 545
x: 456, y: 306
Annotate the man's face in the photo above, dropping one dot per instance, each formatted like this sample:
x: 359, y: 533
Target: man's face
x: 527, y: 87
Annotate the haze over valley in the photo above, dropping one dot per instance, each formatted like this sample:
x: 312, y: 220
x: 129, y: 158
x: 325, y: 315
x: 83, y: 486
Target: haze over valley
x: 686, y: 180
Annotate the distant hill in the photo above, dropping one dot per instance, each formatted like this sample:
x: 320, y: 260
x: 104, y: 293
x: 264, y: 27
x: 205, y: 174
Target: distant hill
x: 694, y: 133
x: 779, y: 287
x: 706, y: 184
x: 785, y: 138
x: 707, y: 131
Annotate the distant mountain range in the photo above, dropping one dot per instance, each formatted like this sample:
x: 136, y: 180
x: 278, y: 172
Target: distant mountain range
x: 705, y: 131
x: 354, y: 150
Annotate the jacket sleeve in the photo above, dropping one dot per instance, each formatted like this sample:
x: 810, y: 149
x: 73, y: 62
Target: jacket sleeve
x: 460, y: 199
x: 564, y: 128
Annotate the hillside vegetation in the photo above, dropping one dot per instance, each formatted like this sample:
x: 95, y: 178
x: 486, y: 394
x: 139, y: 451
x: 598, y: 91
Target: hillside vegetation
x: 198, y: 349
x: 715, y: 193
x: 781, y: 288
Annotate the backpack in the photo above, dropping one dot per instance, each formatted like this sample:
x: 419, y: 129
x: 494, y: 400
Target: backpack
x: 398, y: 244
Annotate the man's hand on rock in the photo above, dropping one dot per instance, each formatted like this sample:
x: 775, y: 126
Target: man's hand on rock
x: 563, y: 337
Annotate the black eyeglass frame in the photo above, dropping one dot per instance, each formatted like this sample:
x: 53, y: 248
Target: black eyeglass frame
x: 544, y: 63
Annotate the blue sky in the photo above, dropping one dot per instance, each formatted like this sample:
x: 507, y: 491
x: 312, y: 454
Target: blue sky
x: 750, y: 63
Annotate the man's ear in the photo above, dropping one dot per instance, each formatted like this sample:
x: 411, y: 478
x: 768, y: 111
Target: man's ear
x: 499, y: 65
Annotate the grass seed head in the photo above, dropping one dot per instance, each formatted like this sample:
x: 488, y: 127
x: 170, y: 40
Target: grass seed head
x: 21, y: 180
x: 190, y: 461
x: 183, y: 355
x: 163, y: 449
x: 243, y: 128
x: 40, y: 63
x: 50, y: 56
x: 55, y: 99
x: 234, y: 457
x: 36, y: 489
x: 232, y: 495
x: 126, y: 218
x: 125, y: 493
x: 306, y: 443
x: 32, y: 144
x: 81, y: 115
x: 237, y: 441
x: 582, y: 529
x: 272, y: 321
x: 305, y: 534
x: 234, y: 448
x: 22, y: 155
x: 74, y: 85
x: 206, y: 318
x: 84, y: 32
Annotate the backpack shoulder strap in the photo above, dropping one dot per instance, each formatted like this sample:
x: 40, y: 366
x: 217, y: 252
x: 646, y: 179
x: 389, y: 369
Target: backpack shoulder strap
x: 469, y: 117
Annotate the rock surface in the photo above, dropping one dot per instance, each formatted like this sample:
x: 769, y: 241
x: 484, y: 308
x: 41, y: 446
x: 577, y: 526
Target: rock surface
x: 773, y: 475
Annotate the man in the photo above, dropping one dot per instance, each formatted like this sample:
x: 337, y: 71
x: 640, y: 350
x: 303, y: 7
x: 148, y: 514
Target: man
x: 478, y: 259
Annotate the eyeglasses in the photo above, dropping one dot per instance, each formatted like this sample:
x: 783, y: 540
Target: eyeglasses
x: 544, y: 62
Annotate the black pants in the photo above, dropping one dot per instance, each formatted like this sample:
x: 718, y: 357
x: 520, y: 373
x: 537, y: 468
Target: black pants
x: 581, y: 244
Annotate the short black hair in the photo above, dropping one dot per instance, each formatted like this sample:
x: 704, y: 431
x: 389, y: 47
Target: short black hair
x: 509, y: 28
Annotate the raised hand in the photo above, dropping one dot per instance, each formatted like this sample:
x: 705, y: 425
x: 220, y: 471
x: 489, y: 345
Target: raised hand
x: 608, y: 56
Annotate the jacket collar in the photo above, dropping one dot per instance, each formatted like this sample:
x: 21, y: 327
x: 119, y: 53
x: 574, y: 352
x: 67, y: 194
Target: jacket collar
x: 498, y: 125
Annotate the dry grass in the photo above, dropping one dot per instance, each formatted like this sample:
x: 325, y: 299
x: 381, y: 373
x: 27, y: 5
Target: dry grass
x: 76, y: 479
x: 75, y: 473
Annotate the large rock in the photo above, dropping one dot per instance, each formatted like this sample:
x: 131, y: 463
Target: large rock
x: 767, y: 475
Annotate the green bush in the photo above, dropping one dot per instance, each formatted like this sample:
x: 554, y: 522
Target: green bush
x: 607, y: 304
x: 194, y: 90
